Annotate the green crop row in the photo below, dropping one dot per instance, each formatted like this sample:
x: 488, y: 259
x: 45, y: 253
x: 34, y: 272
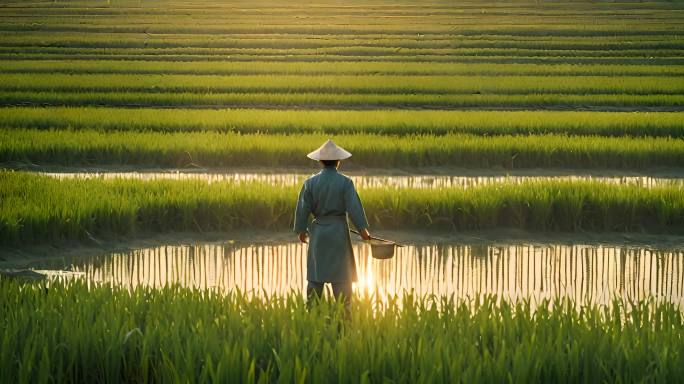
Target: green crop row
x: 356, y: 7
x: 69, y: 332
x: 562, y: 26
x: 32, y: 33
x: 638, y: 85
x: 39, y: 209
x: 620, y: 27
x: 332, y: 68
x: 9, y: 55
x: 56, y: 19
x: 126, y: 40
x: 397, y: 52
x: 212, y: 149
x: 388, y: 122
x: 345, y: 100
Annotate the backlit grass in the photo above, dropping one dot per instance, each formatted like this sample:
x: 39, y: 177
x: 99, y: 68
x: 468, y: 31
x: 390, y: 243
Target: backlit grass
x: 68, y: 332
x: 212, y: 149
x: 385, y: 84
x: 41, y: 209
x: 331, y: 68
x: 389, y: 122
x: 340, y: 101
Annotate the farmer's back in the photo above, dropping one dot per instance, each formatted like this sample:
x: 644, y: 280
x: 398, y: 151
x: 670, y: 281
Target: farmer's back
x: 329, y: 196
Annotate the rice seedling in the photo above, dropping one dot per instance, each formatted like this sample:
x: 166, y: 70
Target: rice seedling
x: 38, y: 208
x: 94, y: 38
x: 211, y: 149
x: 213, y: 55
x: 386, y: 122
x: 370, y: 53
x: 67, y: 331
x: 345, y: 100
x: 626, y: 25
x: 635, y: 85
x: 329, y: 68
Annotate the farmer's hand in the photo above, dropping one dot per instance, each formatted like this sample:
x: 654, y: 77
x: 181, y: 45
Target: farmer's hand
x: 303, y: 236
x: 364, y: 234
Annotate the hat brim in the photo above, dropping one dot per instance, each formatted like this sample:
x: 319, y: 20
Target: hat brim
x: 316, y: 155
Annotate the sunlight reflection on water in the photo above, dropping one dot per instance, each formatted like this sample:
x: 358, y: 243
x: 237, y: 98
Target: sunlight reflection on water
x: 586, y: 273
x: 366, y: 181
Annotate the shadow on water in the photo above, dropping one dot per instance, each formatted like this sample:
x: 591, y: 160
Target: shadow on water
x: 586, y: 273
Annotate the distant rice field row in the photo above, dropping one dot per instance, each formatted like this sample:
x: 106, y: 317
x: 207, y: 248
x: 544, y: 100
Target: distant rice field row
x: 426, y: 45
x: 345, y: 101
x: 467, y: 19
x: 353, y: 7
x: 330, y: 26
x: 10, y: 55
x: 390, y: 122
x: 212, y: 149
x: 561, y: 29
x: 363, y: 16
x: 356, y: 56
x: 78, y: 209
x: 119, y: 18
x: 332, y: 68
x: 632, y: 85
x: 24, y: 30
x: 351, y: 51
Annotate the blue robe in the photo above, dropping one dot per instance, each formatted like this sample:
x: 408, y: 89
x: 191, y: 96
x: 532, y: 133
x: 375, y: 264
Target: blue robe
x: 330, y: 197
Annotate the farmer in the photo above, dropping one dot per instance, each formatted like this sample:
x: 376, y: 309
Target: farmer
x: 330, y: 197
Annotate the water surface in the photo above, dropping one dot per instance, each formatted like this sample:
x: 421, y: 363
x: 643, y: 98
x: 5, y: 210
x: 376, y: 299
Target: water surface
x: 365, y: 181
x: 586, y: 273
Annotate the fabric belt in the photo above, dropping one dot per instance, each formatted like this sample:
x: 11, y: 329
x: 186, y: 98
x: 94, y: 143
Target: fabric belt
x: 330, y: 217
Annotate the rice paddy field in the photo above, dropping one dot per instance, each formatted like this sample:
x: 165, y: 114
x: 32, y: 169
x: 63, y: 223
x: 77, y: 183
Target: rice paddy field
x: 528, y: 154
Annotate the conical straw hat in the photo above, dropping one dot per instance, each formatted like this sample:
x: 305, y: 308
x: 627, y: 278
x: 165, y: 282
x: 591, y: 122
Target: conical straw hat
x: 329, y: 151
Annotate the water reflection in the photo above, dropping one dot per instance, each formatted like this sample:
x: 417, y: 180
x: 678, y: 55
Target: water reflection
x: 583, y: 272
x: 365, y: 181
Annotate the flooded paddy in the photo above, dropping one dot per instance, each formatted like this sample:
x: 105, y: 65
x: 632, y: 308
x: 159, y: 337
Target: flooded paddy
x: 586, y: 273
x: 372, y: 180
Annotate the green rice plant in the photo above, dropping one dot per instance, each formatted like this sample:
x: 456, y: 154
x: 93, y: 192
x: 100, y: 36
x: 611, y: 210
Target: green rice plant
x: 94, y: 38
x: 386, y: 122
x: 635, y: 85
x: 341, y: 53
x: 561, y: 25
x: 211, y: 149
x: 330, y: 68
x: 345, y: 100
x: 212, y: 55
x: 347, y: 47
x: 72, y: 332
x: 472, y: 19
x: 39, y: 209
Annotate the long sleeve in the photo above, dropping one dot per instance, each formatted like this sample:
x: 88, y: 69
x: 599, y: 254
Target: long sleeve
x: 303, y: 210
x: 354, y: 207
